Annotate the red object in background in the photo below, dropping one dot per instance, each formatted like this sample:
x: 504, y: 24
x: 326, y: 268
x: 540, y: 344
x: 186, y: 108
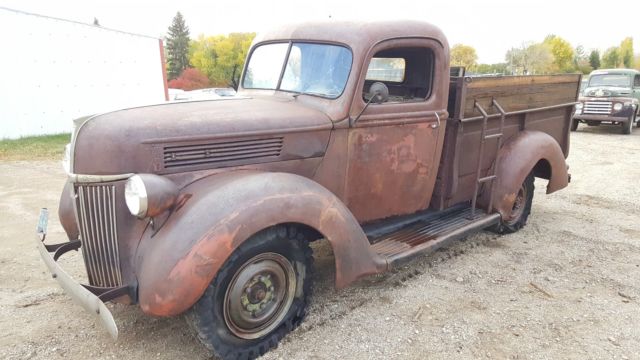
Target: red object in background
x: 190, y: 79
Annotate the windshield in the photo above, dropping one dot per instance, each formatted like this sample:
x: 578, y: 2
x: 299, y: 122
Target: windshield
x: 314, y: 69
x: 610, y: 80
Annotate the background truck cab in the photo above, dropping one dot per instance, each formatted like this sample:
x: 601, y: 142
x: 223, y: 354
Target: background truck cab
x: 352, y: 132
x: 611, y: 97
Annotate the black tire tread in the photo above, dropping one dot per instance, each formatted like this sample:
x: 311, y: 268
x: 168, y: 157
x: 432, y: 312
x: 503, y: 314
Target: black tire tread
x: 204, y: 323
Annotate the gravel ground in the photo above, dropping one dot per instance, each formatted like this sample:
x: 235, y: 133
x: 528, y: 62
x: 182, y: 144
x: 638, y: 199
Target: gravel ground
x: 565, y: 286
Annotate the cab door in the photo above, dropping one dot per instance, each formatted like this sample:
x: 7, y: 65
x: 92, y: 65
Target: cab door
x: 394, y: 147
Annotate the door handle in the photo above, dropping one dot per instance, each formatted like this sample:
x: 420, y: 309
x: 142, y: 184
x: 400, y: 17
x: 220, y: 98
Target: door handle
x: 434, y: 126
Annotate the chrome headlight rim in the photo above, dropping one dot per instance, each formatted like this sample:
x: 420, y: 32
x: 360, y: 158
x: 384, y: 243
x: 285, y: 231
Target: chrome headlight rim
x: 136, y: 196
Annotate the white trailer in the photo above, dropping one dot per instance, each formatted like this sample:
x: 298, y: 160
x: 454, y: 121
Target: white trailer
x: 53, y: 71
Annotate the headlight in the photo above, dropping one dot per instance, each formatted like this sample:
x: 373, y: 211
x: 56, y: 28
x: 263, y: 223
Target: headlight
x: 579, y: 106
x: 66, y: 159
x: 135, y: 195
x: 149, y: 195
x: 617, y: 106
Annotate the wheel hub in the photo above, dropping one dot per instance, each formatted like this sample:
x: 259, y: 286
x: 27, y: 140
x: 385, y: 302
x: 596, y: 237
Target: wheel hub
x: 259, y: 295
x: 518, y: 205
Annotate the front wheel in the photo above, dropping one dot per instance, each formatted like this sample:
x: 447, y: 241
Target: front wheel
x: 520, y: 211
x: 628, y: 126
x: 257, y: 297
x: 574, y: 124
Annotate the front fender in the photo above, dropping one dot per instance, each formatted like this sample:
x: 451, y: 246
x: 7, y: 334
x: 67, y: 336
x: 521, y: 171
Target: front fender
x: 175, y: 265
x: 528, y: 151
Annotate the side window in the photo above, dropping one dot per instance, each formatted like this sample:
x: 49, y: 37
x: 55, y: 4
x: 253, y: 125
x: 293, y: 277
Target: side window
x: 386, y: 69
x: 407, y: 72
x: 636, y: 81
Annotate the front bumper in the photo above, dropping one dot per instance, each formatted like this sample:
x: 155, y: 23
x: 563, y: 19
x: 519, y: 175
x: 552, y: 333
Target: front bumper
x: 92, y: 299
x: 601, y: 118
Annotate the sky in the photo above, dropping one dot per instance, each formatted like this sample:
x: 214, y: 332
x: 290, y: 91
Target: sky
x: 490, y: 26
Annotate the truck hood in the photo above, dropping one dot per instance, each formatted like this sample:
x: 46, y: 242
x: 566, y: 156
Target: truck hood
x: 606, y: 91
x: 126, y: 141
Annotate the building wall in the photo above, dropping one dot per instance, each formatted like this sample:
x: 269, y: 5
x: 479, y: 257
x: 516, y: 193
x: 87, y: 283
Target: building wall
x: 53, y: 71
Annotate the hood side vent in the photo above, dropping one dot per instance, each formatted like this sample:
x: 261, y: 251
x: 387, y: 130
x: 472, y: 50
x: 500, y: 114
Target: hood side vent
x: 221, y: 153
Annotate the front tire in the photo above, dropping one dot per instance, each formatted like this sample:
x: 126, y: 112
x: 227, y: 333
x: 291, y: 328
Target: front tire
x: 574, y: 124
x: 258, y: 296
x: 520, y: 211
x: 627, y: 127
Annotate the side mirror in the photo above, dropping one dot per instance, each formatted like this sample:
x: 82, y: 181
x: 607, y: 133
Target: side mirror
x: 378, y: 93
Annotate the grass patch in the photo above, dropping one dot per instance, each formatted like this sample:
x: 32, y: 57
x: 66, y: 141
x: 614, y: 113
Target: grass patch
x: 48, y: 147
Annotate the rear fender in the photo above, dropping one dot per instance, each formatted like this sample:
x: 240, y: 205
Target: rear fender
x: 528, y: 151
x: 176, y: 264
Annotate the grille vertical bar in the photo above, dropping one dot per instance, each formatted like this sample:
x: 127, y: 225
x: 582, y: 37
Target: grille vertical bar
x: 99, y: 234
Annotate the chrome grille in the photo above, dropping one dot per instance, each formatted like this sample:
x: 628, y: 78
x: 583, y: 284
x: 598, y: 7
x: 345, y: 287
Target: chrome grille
x: 96, y: 207
x: 597, y: 107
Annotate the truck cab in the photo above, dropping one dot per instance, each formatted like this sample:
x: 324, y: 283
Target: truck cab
x: 351, y: 132
x: 611, y: 97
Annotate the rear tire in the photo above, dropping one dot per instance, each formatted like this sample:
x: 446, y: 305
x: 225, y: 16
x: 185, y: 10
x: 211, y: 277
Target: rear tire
x: 521, y: 209
x: 259, y: 295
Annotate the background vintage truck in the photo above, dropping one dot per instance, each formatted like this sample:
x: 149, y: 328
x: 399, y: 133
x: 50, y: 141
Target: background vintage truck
x: 353, y: 132
x: 612, y: 96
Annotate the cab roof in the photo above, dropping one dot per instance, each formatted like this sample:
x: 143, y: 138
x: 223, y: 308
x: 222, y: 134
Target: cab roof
x: 615, y: 72
x: 356, y: 35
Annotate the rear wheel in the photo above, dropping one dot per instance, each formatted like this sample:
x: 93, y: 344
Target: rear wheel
x: 257, y: 297
x: 520, y: 211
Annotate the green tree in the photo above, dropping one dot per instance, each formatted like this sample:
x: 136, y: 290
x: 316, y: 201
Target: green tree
x: 463, y: 55
x: 626, y: 52
x: 177, y: 47
x: 562, y: 52
x: 594, y: 59
x: 636, y: 62
x: 611, y: 58
x: 499, y: 68
x: 221, y: 57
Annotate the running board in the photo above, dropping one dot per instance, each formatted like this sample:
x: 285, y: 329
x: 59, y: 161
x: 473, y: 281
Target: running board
x: 425, y: 236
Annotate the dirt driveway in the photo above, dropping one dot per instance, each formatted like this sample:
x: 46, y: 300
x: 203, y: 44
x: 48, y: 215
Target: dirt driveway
x: 566, y: 286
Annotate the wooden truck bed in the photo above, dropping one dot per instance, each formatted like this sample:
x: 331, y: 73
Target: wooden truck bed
x: 544, y: 103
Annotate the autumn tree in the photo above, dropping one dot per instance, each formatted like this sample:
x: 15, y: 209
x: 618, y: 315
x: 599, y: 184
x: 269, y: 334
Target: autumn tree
x: 626, y: 52
x: 581, y: 60
x: 562, y: 52
x: 177, y: 47
x: 636, y: 62
x: 535, y: 58
x: 594, y: 59
x: 221, y: 58
x: 463, y: 55
x: 611, y: 58
x: 190, y: 79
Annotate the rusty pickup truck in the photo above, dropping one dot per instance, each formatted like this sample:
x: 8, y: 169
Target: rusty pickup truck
x: 351, y: 132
